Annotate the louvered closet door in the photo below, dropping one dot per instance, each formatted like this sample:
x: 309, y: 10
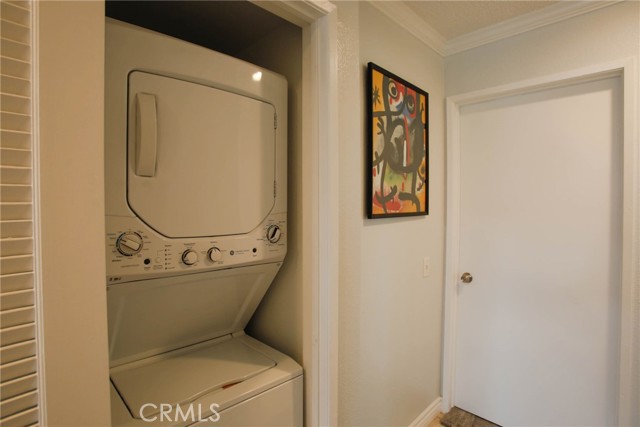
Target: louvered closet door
x: 18, y: 377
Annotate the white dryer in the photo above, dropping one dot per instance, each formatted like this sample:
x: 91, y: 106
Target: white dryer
x: 196, y: 230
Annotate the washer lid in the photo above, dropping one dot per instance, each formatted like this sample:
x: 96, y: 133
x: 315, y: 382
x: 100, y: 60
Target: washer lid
x: 151, y: 317
x: 201, y: 160
x: 182, y: 376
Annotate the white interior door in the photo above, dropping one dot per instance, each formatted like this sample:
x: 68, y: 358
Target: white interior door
x: 537, y: 340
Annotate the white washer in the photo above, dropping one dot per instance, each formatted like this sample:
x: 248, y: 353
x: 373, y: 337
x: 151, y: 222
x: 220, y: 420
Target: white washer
x: 196, y: 230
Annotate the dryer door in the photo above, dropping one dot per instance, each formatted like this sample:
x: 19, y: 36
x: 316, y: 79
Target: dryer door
x: 201, y: 160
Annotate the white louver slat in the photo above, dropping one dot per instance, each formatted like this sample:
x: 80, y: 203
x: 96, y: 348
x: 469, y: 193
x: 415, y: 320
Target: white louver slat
x: 18, y: 349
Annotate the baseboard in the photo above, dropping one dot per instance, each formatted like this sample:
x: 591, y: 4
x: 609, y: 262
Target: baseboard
x: 428, y: 415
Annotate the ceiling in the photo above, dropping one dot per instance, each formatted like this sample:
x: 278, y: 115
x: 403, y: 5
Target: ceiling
x: 452, y: 19
x: 453, y: 26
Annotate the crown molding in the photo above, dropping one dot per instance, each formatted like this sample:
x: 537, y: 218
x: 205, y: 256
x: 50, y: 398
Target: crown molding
x: 297, y: 12
x: 405, y: 17
x: 523, y: 23
x: 402, y: 15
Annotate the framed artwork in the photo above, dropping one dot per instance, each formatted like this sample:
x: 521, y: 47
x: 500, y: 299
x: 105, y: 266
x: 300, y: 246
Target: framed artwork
x: 397, y: 146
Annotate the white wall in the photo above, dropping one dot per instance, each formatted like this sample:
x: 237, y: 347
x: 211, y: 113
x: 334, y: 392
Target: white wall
x: 71, y: 79
x: 278, y: 320
x: 598, y: 37
x: 390, y: 316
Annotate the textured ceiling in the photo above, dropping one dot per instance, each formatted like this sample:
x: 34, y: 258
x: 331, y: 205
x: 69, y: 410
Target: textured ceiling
x: 455, y: 18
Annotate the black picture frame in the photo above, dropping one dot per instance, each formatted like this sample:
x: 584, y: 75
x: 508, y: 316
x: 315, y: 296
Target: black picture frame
x: 397, y: 146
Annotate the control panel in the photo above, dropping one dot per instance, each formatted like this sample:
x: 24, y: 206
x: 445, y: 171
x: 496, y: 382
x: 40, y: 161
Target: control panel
x: 135, y: 252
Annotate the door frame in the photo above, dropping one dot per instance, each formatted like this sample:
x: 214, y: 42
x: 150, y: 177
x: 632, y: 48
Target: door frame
x: 630, y: 292
x: 319, y: 22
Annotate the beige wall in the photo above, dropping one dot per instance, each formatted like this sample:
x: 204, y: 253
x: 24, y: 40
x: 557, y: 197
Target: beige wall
x: 71, y: 67
x: 390, y: 316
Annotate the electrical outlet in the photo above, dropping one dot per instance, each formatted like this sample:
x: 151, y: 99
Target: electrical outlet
x: 426, y: 267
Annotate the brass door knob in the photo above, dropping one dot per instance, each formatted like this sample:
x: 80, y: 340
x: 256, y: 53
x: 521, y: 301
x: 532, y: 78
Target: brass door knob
x: 466, y: 278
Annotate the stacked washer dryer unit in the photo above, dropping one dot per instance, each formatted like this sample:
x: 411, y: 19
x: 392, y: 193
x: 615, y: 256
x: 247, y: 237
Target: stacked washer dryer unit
x: 196, y: 231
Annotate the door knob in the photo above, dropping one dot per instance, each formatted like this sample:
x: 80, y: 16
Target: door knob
x: 466, y: 278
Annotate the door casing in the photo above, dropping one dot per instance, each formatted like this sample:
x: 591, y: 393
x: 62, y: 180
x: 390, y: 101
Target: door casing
x: 630, y: 311
x: 319, y: 22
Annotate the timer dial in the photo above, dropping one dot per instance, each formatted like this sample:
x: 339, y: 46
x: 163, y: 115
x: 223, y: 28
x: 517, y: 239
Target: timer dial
x: 189, y: 257
x: 274, y: 233
x: 215, y: 254
x: 129, y: 243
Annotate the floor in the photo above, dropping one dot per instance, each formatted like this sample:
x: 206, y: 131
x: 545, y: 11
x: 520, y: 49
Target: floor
x: 436, y: 421
x: 460, y: 418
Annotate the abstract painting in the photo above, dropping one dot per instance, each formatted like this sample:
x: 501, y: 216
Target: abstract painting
x: 397, y: 146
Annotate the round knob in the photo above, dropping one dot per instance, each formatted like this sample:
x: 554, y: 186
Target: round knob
x: 129, y: 243
x: 215, y: 254
x: 466, y: 278
x: 274, y: 233
x: 189, y: 257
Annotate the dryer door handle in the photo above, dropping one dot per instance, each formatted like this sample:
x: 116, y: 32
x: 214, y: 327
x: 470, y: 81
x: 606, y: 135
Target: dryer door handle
x: 146, y: 134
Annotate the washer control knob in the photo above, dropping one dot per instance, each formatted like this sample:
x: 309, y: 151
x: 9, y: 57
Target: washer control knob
x: 189, y: 257
x: 274, y: 233
x: 215, y: 254
x: 129, y: 243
